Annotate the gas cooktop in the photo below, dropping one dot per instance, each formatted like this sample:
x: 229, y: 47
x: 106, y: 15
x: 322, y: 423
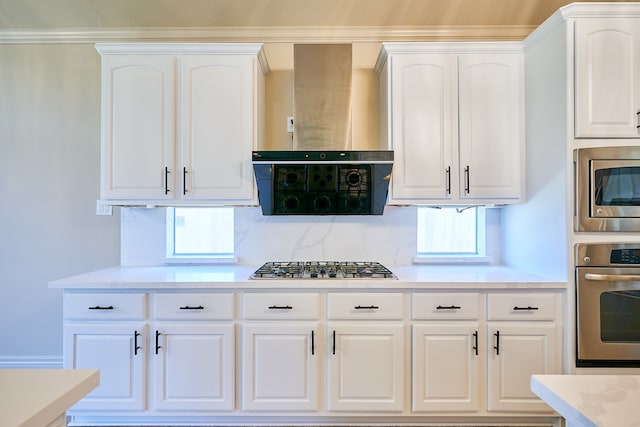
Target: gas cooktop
x: 323, y: 270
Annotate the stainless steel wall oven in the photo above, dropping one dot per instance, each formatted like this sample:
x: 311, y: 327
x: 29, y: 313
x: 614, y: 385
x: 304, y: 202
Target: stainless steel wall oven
x: 607, y: 188
x: 608, y: 304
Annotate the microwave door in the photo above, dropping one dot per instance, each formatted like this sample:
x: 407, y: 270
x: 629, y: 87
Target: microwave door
x: 615, y: 189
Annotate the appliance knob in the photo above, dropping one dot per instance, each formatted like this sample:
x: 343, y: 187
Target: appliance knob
x: 599, y: 211
x: 586, y: 260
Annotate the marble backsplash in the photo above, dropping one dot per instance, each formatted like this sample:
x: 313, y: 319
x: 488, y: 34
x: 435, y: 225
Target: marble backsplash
x: 389, y: 238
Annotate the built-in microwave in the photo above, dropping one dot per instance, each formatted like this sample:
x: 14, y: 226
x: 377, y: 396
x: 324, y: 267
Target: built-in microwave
x: 607, y: 188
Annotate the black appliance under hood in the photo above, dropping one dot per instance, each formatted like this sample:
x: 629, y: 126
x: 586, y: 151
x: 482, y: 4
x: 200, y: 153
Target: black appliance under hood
x: 320, y: 174
x: 322, y: 182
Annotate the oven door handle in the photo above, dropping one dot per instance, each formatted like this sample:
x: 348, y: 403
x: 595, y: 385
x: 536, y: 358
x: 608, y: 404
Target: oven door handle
x: 613, y: 277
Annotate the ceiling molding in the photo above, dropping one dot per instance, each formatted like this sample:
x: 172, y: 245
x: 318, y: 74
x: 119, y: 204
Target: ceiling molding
x: 268, y: 34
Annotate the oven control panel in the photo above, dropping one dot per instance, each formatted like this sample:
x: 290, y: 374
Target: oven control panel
x: 607, y: 254
x: 625, y: 256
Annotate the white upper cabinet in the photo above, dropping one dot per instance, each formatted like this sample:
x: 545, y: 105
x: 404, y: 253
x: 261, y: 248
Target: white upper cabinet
x: 453, y: 115
x: 179, y: 122
x: 607, y: 77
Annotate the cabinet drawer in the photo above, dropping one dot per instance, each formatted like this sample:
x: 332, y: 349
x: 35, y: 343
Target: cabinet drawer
x: 448, y: 306
x: 522, y: 306
x: 300, y: 306
x: 365, y: 306
x: 193, y: 306
x: 105, y: 306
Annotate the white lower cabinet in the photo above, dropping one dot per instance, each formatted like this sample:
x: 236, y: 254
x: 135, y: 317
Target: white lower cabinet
x: 280, y: 368
x: 366, y: 367
x: 447, y: 353
x: 193, y: 367
x: 170, y: 357
x: 192, y: 353
x: 108, y: 331
x: 119, y: 352
x: 452, y: 344
x: 180, y: 359
x: 446, y: 368
x: 523, y: 338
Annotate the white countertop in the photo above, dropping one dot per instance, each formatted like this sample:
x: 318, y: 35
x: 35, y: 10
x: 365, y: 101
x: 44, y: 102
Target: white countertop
x: 592, y: 400
x: 237, y: 277
x: 37, y: 397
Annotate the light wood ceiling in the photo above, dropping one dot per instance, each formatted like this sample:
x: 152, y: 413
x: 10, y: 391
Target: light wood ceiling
x: 49, y: 14
x: 277, y: 23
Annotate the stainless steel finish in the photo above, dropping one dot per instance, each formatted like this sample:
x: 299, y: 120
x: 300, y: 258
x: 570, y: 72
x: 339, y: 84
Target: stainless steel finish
x: 322, y: 96
x: 603, y: 218
x: 330, y: 270
x: 600, y: 275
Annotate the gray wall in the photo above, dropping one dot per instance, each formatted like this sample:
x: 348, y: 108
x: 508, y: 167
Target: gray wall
x: 49, y: 183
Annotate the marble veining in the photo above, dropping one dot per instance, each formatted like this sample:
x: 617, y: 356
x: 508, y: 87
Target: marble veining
x: 592, y: 400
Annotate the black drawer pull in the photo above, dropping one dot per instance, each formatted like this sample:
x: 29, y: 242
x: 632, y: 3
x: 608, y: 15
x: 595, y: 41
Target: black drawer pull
x: 188, y: 307
x: 99, y: 307
x: 448, y: 307
x: 366, y: 307
x: 280, y: 307
x: 527, y: 308
x: 497, y: 346
x: 158, y: 346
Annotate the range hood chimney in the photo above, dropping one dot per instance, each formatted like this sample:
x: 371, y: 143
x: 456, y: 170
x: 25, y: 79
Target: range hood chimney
x: 322, y: 175
x: 322, y: 97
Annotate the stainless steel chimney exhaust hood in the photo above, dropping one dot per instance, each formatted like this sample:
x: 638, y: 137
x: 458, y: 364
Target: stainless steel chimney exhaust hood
x: 322, y: 175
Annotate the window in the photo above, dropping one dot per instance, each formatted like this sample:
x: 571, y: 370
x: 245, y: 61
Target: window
x: 451, y: 234
x: 204, y: 234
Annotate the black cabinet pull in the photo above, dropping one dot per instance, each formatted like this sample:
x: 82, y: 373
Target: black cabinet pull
x: 100, y: 307
x: 188, y: 307
x: 466, y: 179
x: 475, y: 342
x: 497, y: 346
x: 527, y: 308
x: 184, y: 180
x: 448, y: 175
x: 366, y: 307
x: 334, y: 342
x: 280, y: 307
x: 158, y: 346
x: 166, y: 180
x: 136, y: 347
x: 448, y: 307
x: 313, y: 343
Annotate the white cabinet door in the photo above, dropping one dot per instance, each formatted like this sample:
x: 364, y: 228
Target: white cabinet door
x: 365, y: 367
x: 280, y: 367
x: 446, y: 367
x: 138, y: 115
x: 607, y: 73
x: 179, y: 122
x: 517, y: 351
x: 424, y: 138
x: 217, y: 127
x: 491, y: 109
x: 119, y: 351
x: 457, y: 123
x: 193, y: 366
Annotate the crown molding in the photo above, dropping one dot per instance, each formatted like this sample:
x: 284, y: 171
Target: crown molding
x: 267, y: 34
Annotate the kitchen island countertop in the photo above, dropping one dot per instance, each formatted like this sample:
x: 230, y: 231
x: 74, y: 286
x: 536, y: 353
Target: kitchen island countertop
x: 38, y: 397
x: 237, y: 277
x: 592, y: 400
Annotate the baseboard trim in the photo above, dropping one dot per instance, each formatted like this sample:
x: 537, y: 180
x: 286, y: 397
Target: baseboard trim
x: 30, y: 362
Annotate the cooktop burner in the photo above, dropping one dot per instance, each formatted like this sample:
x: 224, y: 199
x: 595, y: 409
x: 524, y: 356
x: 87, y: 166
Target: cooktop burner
x: 323, y: 270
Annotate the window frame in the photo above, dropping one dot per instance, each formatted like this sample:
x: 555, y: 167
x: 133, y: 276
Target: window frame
x: 206, y: 258
x: 479, y: 257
